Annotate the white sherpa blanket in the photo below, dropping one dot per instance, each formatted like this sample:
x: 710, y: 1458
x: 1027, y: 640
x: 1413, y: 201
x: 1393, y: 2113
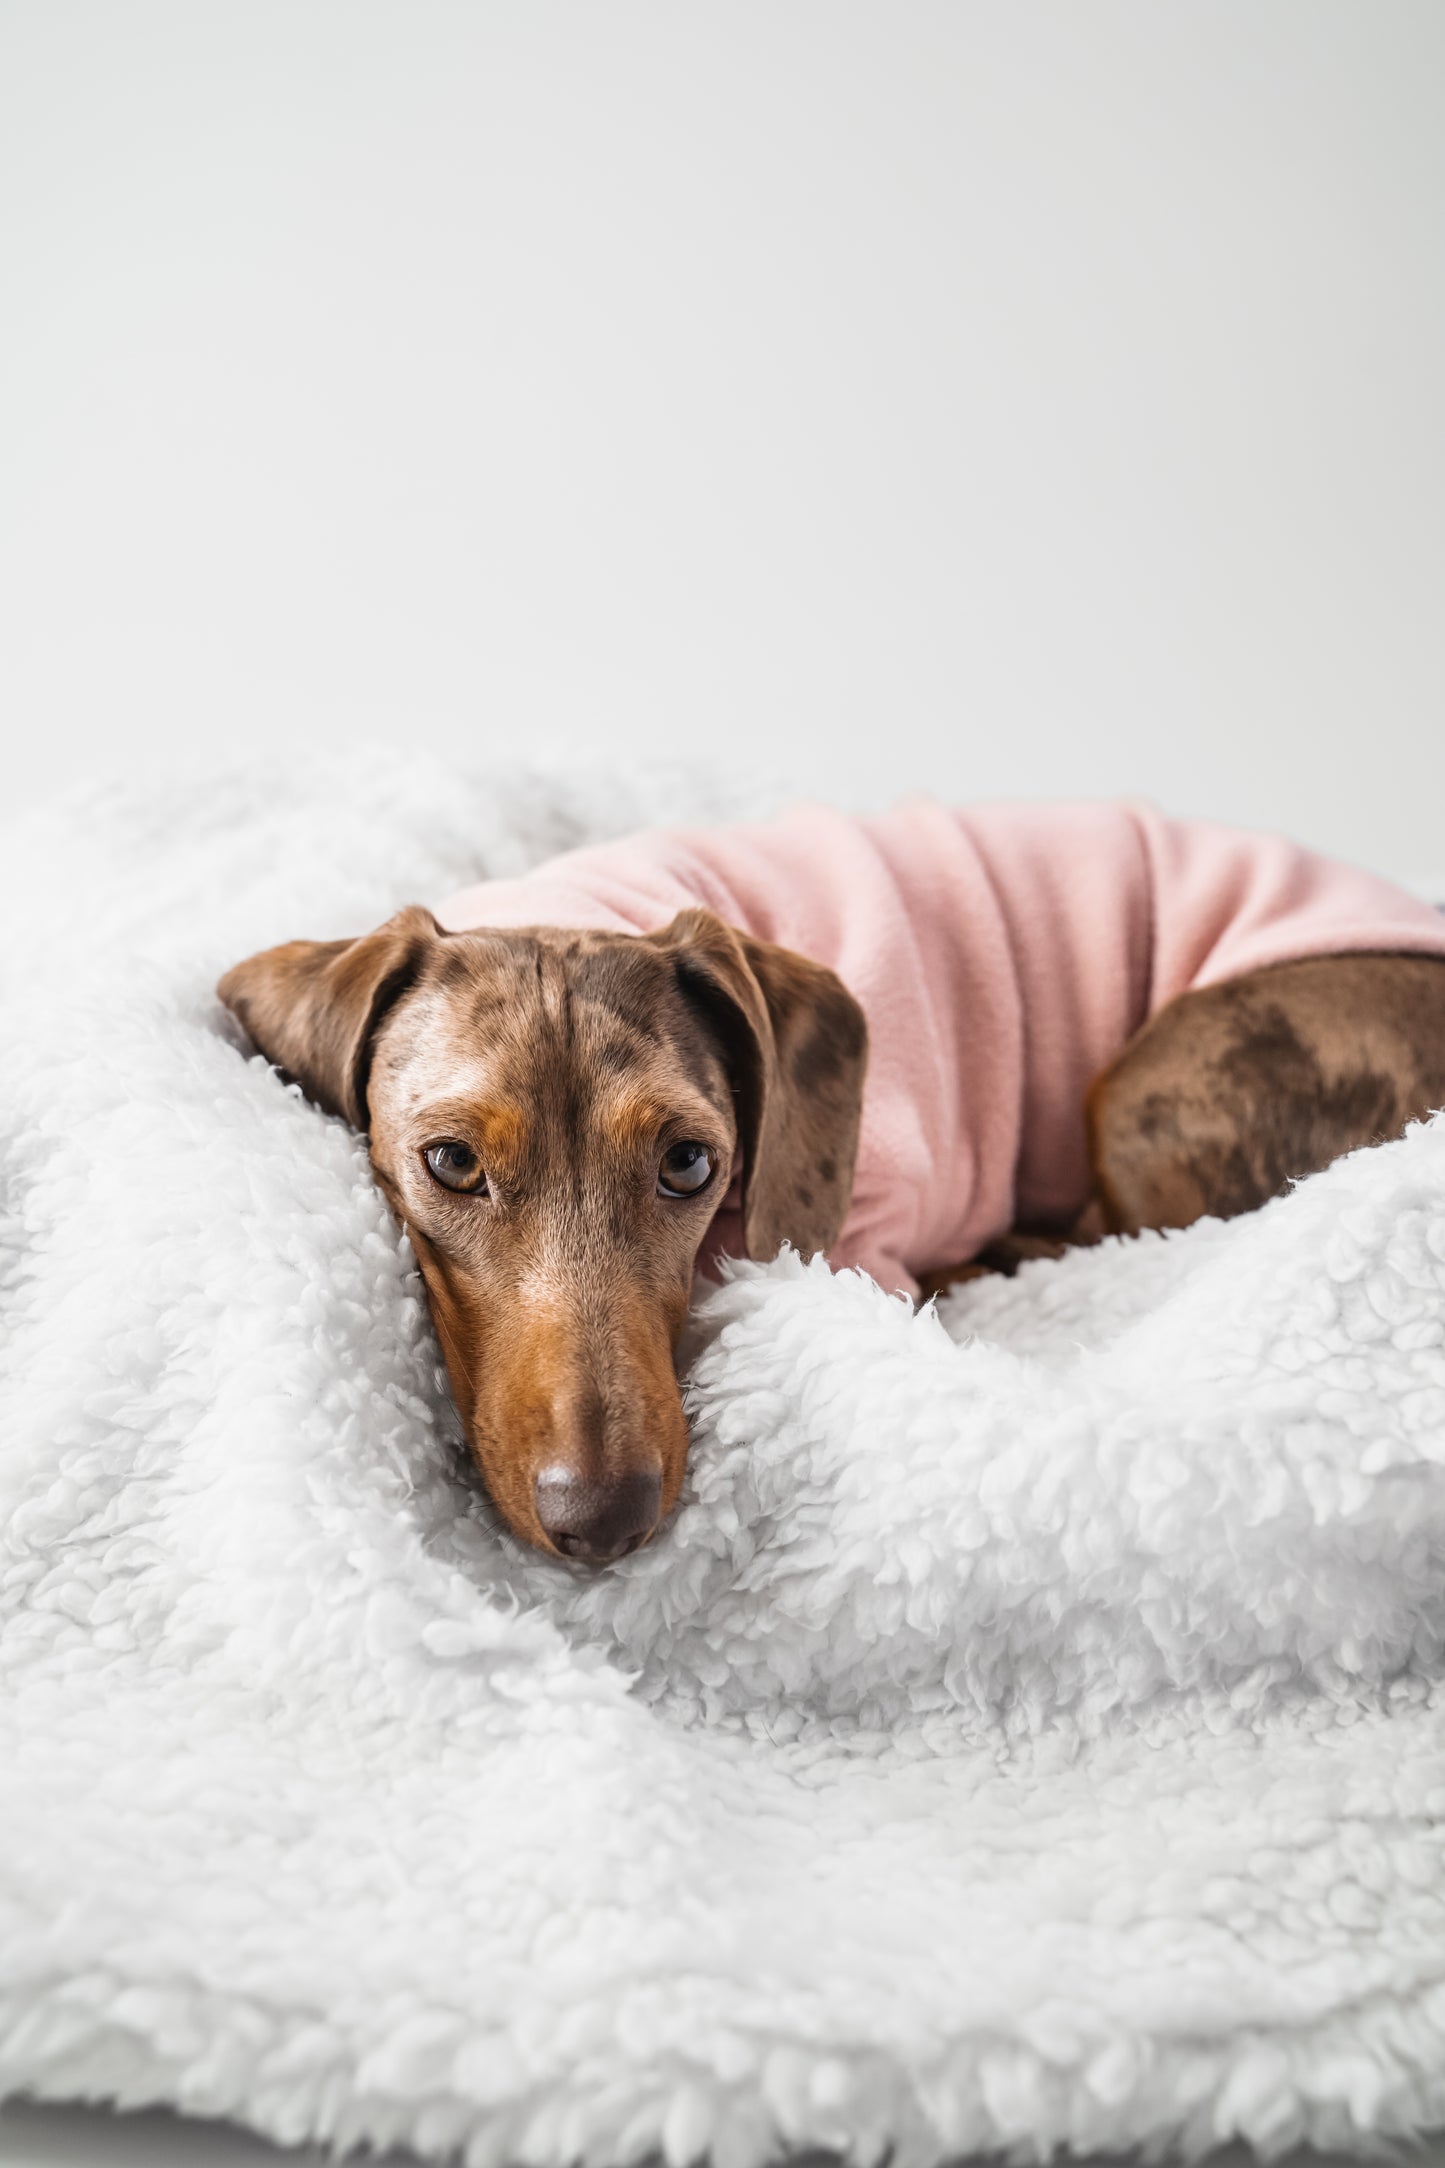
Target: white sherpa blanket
x: 1030, y: 1731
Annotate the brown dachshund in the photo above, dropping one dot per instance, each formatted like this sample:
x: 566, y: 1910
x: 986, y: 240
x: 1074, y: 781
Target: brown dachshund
x: 597, y: 1084
x: 556, y: 1117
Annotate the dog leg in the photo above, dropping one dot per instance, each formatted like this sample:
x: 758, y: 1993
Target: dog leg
x: 1230, y: 1094
x: 1003, y: 1256
x: 948, y: 1276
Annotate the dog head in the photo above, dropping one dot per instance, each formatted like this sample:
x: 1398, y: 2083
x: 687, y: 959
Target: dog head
x: 556, y: 1118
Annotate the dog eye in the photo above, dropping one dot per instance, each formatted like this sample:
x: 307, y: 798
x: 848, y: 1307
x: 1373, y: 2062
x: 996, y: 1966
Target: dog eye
x: 456, y: 1166
x: 685, y: 1170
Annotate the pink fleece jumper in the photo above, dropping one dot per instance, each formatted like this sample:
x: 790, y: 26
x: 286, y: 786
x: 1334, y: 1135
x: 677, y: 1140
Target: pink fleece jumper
x: 1003, y: 955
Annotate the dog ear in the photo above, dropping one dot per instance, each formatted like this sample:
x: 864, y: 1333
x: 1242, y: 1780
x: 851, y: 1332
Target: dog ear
x: 314, y: 1007
x: 796, y: 1044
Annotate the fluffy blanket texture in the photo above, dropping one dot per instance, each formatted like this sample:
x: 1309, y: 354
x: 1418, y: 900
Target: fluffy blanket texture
x: 1030, y: 1731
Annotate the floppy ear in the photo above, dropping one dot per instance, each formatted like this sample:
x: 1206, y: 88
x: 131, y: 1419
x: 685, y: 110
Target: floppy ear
x: 314, y: 1007
x: 796, y: 1045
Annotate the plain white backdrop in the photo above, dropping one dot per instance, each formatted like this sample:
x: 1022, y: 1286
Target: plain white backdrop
x: 1000, y: 399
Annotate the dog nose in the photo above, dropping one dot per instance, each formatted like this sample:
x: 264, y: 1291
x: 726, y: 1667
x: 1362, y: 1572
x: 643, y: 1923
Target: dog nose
x: 597, y: 1521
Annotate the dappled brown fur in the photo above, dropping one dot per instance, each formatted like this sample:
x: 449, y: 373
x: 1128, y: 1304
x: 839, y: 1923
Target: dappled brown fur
x: 1232, y: 1093
x: 569, y: 1064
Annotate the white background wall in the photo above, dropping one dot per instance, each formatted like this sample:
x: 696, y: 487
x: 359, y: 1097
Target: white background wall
x: 1004, y: 399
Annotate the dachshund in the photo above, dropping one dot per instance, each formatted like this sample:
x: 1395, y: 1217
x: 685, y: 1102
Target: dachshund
x: 922, y: 1043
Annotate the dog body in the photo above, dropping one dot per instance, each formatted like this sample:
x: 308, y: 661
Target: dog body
x: 895, y: 1040
x: 1003, y: 956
